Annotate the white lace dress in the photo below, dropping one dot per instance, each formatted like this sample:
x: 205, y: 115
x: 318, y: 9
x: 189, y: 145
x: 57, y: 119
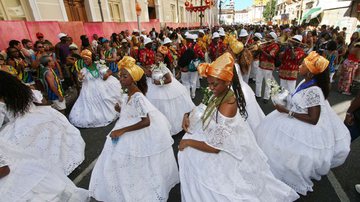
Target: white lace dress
x: 45, y: 133
x: 95, y: 105
x: 172, y: 99
x: 34, y: 179
x: 239, y: 172
x: 298, y: 151
x: 141, y: 165
x: 255, y: 113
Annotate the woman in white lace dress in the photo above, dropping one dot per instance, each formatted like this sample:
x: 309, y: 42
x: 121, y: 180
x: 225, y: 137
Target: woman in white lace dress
x: 305, y: 139
x: 137, y: 162
x: 167, y: 94
x: 221, y: 161
x: 39, y: 130
x: 25, y: 177
x: 99, y: 93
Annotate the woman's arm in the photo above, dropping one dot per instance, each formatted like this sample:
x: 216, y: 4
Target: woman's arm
x: 312, y: 117
x: 355, y: 105
x: 199, y: 145
x: 145, y: 122
x: 166, y: 80
x: 108, y: 73
x: 4, y: 171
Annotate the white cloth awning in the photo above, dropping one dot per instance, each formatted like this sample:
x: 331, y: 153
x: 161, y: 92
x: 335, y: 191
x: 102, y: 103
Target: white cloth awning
x: 328, y: 5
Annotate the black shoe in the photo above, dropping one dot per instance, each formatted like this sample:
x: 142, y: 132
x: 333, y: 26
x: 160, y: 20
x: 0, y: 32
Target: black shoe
x: 257, y: 98
x: 265, y: 101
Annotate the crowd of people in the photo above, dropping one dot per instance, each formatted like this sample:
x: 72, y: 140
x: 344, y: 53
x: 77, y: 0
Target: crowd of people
x: 147, y: 82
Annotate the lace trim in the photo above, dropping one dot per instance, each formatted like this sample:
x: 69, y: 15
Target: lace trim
x: 216, y: 136
x: 3, y: 161
x: 138, y: 102
x: 312, y: 97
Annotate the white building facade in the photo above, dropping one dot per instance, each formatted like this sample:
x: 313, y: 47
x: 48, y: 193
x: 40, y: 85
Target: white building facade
x: 112, y: 10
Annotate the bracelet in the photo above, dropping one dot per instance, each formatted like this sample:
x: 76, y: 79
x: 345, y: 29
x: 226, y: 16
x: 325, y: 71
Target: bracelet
x: 291, y: 114
x: 162, y: 81
x: 187, y: 114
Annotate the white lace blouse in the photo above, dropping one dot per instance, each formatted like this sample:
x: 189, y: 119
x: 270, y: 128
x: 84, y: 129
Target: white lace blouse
x: 304, y: 99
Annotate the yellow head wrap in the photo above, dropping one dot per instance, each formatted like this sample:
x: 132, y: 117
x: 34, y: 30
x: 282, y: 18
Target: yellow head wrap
x: 135, y: 71
x: 316, y: 63
x: 221, y: 68
x: 86, y: 54
x: 235, y: 45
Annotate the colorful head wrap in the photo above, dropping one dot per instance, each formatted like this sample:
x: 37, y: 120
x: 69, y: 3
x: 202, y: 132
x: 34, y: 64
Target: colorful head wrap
x: 316, y: 63
x: 235, y: 45
x: 135, y: 71
x: 163, y: 50
x: 86, y: 54
x: 221, y: 68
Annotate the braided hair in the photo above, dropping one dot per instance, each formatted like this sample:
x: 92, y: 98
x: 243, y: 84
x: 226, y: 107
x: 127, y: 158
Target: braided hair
x: 239, y: 94
x: 16, y: 95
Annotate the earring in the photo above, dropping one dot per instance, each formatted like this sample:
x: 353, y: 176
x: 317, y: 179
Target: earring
x: 309, y: 75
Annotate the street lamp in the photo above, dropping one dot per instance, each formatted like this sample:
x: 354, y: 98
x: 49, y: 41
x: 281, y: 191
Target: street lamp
x: 138, y: 12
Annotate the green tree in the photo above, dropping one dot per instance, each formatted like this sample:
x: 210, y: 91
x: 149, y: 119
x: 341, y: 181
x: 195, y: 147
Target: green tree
x: 269, y: 10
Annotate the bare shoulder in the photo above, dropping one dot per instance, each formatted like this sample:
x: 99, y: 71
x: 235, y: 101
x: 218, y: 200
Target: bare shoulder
x: 229, y: 108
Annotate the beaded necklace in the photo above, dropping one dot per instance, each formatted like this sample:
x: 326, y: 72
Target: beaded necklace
x: 93, y: 70
x: 214, y: 103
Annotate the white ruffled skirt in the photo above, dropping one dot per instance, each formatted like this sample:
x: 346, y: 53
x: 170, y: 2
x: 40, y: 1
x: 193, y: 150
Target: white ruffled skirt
x: 95, y: 104
x: 46, y: 133
x: 222, y: 177
x: 119, y: 177
x: 298, y: 151
x: 173, y: 100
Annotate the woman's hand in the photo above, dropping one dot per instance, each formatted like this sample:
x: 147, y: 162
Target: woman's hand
x: 186, y: 122
x: 281, y: 109
x: 117, y: 133
x: 80, y: 77
x: 183, y: 144
x: 106, y: 76
x: 349, y: 119
x: 117, y: 107
x: 157, y: 82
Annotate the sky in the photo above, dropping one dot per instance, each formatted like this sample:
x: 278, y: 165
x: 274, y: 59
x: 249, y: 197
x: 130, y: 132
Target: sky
x: 240, y: 4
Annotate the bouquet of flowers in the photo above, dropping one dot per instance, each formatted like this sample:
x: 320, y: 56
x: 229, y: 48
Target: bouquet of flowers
x: 278, y: 94
x: 102, y: 67
x: 198, y: 111
x: 157, y: 72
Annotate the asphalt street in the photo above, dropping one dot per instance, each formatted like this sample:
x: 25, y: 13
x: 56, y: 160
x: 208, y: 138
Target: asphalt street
x: 337, y: 186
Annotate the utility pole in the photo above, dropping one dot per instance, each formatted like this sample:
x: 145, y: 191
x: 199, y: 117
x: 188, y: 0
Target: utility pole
x: 201, y: 15
x: 101, y: 13
x: 220, y: 4
x: 300, y: 12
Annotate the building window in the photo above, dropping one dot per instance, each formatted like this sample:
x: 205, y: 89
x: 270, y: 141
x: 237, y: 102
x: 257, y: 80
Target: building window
x: 173, y: 12
x: 13, y: 10
x: 115, y: 11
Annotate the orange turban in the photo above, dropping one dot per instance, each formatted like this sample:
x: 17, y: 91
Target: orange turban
x: 135, y: 71
x: 221, y: 68
x: 86, y: 54
x: 316, y: 63
x: 163, y: 50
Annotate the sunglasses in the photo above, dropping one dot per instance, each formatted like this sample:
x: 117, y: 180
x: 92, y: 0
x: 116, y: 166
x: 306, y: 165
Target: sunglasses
x: 40, y: 46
